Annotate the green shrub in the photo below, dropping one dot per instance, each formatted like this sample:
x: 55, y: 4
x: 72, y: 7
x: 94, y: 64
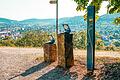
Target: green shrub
x: 110, y: 48
x: 7, y: 41
x: 80, y: 40
x: 99, y: 44
x: 32, y: 39
x: 39, y: 38
x: 117, y: 43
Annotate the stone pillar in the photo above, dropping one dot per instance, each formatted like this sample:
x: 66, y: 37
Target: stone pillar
x: 50, y: 54
x: 65, y: 50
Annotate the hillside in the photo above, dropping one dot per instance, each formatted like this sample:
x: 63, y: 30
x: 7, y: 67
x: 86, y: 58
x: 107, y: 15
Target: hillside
x: 108, y: 31
x: 77, y: 20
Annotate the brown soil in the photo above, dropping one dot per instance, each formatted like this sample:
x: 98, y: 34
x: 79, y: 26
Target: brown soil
x: 28, y: 64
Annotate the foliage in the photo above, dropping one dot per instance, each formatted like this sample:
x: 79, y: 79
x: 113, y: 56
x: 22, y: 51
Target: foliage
x: 8, y: 41
x: 117, y: 21
x: 80, y: 40
x: 112, y: 7
x: 99, y: 44
x: 96, y: 17
x: 109, y: 48
x: 39, y: 38
x: 117, y: 43
x: 32, y: 39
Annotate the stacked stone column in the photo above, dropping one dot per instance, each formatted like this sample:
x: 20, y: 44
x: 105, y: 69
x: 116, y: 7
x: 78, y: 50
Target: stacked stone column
x: 50, y: 54
x: 65, y: 50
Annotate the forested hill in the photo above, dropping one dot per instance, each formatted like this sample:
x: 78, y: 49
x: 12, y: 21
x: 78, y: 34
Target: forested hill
x: 76, y: 23
x: 108, y: 31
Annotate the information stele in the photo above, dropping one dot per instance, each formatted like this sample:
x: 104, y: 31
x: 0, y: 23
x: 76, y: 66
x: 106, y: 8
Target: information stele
x: 90, y: 38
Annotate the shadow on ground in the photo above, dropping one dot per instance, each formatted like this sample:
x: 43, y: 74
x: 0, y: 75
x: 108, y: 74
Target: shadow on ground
x: 59, y: 74
x: 110, y: 71
x: 32, y: 70
x: 35, y: 68
x: 89, y: 76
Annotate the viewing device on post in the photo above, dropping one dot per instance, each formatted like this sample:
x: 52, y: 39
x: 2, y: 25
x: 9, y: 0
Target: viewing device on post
x: 66, y: 28
x: 52, y: 40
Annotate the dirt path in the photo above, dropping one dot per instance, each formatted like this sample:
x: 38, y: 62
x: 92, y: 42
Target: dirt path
x: 21, y: 64
x: 14, y: 61
x: 114, y: 54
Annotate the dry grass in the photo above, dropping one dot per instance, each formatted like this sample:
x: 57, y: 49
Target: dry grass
x: 28, y: 64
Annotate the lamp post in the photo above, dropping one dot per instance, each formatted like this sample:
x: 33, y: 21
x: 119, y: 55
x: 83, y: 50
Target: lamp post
x: 55, y: 2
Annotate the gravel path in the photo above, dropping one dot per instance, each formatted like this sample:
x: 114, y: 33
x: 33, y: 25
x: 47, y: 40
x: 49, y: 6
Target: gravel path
x: 21, y: 63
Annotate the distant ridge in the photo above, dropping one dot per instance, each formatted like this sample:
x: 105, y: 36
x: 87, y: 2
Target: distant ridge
x: 5, y: 20
x: 38, y: 21
x: 76, y: 20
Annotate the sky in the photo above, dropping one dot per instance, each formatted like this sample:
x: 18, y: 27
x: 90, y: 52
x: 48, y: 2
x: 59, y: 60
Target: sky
x: 41, y: 9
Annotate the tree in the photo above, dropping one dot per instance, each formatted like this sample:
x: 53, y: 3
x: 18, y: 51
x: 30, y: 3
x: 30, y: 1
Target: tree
x: 112, y: 7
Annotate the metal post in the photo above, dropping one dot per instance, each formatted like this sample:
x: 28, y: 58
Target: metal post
x: 56, y: 16
x: 57, y: 27
x: 56, y: 2
x: 90, y: 38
